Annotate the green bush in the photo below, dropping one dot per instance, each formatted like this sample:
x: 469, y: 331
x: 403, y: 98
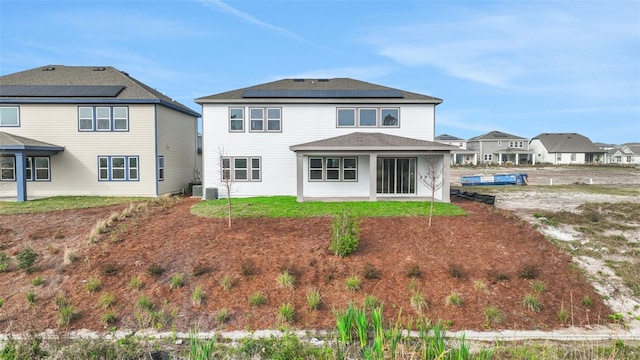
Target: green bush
x: 26, y: 258
x: 4, y: 262
x: 344, y: 234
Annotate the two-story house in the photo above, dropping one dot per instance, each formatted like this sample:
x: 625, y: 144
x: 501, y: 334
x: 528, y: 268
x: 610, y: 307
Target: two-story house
x: 624, y: 154
x: 499, y: 147
x: 460, y: 156
x: 322, y: 139
x: 81, y: 130
x: 565, y: 148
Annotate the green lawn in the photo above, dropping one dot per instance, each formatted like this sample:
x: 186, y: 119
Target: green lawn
x: 63, y: 203
x: 287, y: 206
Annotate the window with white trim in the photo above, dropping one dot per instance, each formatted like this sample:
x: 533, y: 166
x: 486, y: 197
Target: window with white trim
x: 558, y: 157
x: 488, y: 157
x: 333, y: 169
x: 9, y: 116
x: 236, y: 119
x: 573, y: 156
x: 368, y: 117
x: 38, y: 168
x: 241, y: 168
x: 516, y: 144
x: 257, y: 119
x: 118, y: 168
x: 103, y: 118
x: 7, y: 168
x: 160, y: 168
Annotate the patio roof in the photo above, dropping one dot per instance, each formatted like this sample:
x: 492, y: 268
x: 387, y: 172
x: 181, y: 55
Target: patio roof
x: 359, y: 141
x: 10, y: 144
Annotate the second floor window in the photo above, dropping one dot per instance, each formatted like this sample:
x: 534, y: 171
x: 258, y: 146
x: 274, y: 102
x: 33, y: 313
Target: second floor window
x: 258, y: 123
x: 368, y: 117
x: 516, y: 144
x: 9, y: 116
x: 103, y: 118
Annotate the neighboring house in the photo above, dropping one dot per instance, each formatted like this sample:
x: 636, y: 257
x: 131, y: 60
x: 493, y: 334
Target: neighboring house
x: 565, y: 148
x: 498, y: 147
x: 81, y: 130
x: 460, y: 156
x: 322, y: 139
x: 624, y: 154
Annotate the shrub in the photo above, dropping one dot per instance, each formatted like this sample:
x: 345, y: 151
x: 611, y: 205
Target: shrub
x: 479, y: 285
x: 313, y: 299
x: 586, y: 301
x: 413, y: 271
x: 37, y: 281
x: 493, y: 315
x: 222, y: 316
x: 108, y: 318
x: 196, y: 297
x: 107, y: 300
x: 145, y: 303
x: 66, y: 314
x: 529, y: 272
x: 453, y: 299
x: 344, y: 234
x: 4, y: 262
x: 418, y: 302
x: 286, y: 313
x: 248, y: 267
x: 135, y: 283
x: 258, y: 299
x: 538, y: 286
x: 176, y: 281
x: 370, y: 301
x: 353, y: 283
x: 456, y: 271
x: 200, y: 268
x: 370, y: 272
x: 26, y: 258
x: 93, y: 285
x: 531, y: 302
x: 286, y: 280
x: 31, y: 298
x: 226, y: 282
x: 155, y: 270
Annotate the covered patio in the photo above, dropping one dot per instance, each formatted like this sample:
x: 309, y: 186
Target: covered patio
x: 14, y: 151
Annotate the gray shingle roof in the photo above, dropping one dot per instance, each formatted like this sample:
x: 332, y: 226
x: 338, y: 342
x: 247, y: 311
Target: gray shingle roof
x: 10, y: 141
x: 447, y: 137
x: 360, y: 141
x: 62, y: 77
x: 567, y: 143
x: 317, y: 84
x: 497, y: 135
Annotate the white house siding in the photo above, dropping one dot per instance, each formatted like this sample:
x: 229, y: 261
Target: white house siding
x: 74, y: 171
x: 177, y: 143
x: 301, y: 123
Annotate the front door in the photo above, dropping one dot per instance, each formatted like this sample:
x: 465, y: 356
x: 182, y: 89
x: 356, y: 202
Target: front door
x: 396, y: 176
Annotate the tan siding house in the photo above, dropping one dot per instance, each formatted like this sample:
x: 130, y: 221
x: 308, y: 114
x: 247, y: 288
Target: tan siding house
x: 77, y: 130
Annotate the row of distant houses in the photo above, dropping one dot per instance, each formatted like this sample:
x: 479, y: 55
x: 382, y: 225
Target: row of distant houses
x: 82, y: 130
x: 547, y: 148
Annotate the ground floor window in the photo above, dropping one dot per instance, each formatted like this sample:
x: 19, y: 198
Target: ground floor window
x: 241, y: 168
x: 38, y: 168
x: 396, y: 176
x: 7, y: 168
x: 160, y: 168
x: 118, y: 168
x: 488, y: 157
x: 333, y: 169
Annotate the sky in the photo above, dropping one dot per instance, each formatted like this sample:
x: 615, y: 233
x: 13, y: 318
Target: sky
x: 520, y: 67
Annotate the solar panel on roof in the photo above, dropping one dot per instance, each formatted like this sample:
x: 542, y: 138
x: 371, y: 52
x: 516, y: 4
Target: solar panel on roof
x: 60, y: 90
x: 261, y: 93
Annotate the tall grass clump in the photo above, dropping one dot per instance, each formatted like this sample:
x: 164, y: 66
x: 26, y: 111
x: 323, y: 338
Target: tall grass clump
x: 5, y: 261
x: 286, y: 313
x: 418, y: 302
x: 313, y: 299
x: 257, y: 299
x: 176, y: 282
x: 345, y: 230
x: 196, y: 296
x: 26, y: 258
x: 453, y: 299
x: 353, y: 283
x: 493, y: 315
x: 286, y: 280
x: 135, y: 283
x: 532, y: 303
x: 93, y: 285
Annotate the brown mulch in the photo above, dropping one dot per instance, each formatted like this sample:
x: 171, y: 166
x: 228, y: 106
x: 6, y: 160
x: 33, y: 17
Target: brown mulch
x: 488, y: 245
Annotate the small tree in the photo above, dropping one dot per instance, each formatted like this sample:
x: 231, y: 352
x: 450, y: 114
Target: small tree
x: 432, y: 178
x: 226, y: 178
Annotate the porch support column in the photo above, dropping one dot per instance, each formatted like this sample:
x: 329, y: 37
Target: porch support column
x: 373, y: 168
x: 21, y: 179
x: 446, y: 181
x: 517, y: 157
x: 299, y: 177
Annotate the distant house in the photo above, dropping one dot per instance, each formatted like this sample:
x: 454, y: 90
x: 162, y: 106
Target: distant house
x: 498, y: 147
x: 82, y: 130
x: 321, y: 139
x: 624, y: 154
x: 460, y: 156
x: 565, y: 148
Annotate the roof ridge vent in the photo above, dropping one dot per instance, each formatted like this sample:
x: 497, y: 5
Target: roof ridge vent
x: 48, y: 68
x: 124, y: 73
x: 298, y: 80
x: 99, y: 68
